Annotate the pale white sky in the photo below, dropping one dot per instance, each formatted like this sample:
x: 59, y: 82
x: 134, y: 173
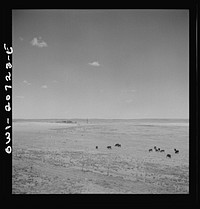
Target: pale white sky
x: 100, y: 64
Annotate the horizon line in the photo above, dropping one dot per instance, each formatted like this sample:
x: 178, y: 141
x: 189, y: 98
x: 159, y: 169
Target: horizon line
x: 99, y: 118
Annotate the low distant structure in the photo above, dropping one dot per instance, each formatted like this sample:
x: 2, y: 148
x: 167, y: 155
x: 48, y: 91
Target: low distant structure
x: 66, y: 121
x: 70, y: 121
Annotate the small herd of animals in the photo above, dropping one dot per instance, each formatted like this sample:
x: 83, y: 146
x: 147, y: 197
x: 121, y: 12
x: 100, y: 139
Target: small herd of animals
x: 157, y: 149
x: 110, y: 147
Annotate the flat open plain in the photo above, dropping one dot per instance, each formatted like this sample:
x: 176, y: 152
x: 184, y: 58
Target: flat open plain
x: 51, y: 157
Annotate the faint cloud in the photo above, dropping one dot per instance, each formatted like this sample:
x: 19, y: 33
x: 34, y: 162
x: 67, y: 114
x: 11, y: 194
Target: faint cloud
x: 129, y: 101
x: 128, y: 91
x: 96, y: 64
x: 26, y: 82
x: 38, y: 42
x: 20, y: 97
x: 129, y: 95
x: 132, y: 90
x: 44, y: 86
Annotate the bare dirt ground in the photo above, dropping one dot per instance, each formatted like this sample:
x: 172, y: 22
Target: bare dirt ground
x: 56, y: 158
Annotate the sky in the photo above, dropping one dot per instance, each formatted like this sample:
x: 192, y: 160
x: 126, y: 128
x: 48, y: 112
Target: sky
x: 114, y: 64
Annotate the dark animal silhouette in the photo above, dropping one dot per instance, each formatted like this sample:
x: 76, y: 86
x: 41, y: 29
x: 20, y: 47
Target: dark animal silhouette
x: 158, y: 149
x: 96, y: 147
x: 176, y: 151
x: 168, y: 155
x: 109, y: 147
x: 155, y: 147
x: 150, y: 150
x: 162, y: 150
x: 117, y: 145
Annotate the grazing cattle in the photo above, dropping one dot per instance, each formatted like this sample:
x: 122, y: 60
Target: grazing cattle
x: 96, y: 147
x: 150, y: 150
x: 158, y: 149
x: 155, y: 147
x: 109, y: 147
x: 117, y: 145
x: 168, y: 156
x: 176, y: 151
x: 162, y: 150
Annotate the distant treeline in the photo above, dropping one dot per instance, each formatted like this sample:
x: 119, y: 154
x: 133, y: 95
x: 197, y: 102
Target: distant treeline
x: 44, y: 120
x: 93, y: 120
x: 66, y: 121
